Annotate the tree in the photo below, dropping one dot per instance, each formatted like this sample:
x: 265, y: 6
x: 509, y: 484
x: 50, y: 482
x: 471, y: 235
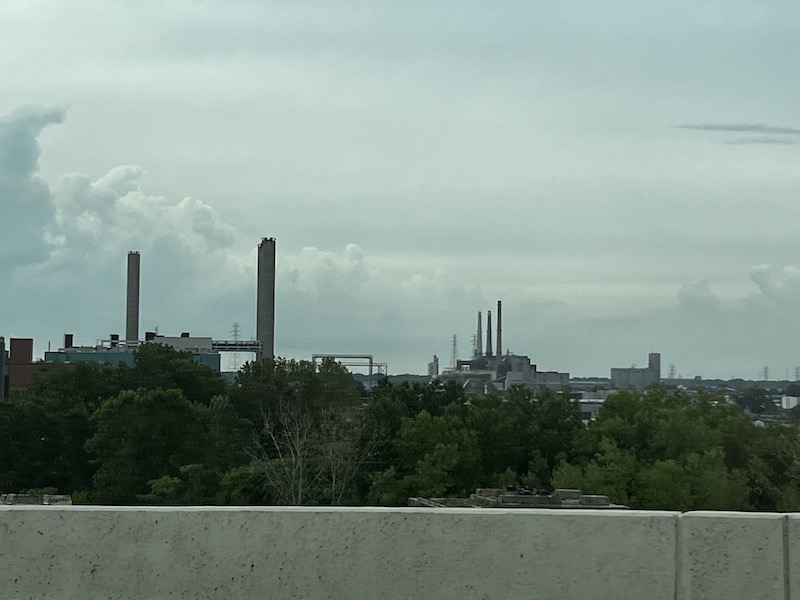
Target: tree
x: 41, y: 444
x: 311, y: 441
x: 667, y: 450
x: 157, y: 366
x: 143, y: 435
x: 435, y: 454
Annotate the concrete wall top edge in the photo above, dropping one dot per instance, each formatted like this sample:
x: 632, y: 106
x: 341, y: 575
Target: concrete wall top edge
x: 715, y: 514
x: 352, y: 509
x: 700, y: 514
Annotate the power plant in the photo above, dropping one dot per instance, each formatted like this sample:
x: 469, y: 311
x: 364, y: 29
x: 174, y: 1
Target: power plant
x: 496, y: 370
x: 205, y: 349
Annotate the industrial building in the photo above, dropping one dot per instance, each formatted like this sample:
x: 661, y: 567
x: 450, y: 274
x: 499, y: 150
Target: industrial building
x: 113, y: 352
x: 493, y: 370
x: 17, y: 367
x: 638, y: 379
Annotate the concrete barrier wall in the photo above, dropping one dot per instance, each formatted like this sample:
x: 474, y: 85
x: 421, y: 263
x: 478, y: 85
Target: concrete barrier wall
x: 375, y: 553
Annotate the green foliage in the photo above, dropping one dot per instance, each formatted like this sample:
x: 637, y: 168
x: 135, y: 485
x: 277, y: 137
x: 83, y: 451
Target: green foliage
x: 143, y: 435
x: 41, y: 443
x: 310, y: 440
x: 84, y: 383
x: 157, y: 366
x: 195, y: 484
x: 668, y: 451
x: 436, y: 455
x: 168, y: 431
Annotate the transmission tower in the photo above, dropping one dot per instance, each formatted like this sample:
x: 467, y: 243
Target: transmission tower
x: 454, y: 357
x: 233, y: 359
x: 765, y: 373
x: 672, y: 371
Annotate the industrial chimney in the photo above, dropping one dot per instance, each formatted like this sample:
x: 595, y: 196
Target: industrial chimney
x: 488, y: 333
x: 479, y: 339
x: 265, y: 297
x: 499, y: 329
x: 132, y: 302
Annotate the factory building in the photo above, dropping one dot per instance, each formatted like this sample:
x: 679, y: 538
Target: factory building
x: 112, y: 352
x: 492, y: 370
x: 638, y: 379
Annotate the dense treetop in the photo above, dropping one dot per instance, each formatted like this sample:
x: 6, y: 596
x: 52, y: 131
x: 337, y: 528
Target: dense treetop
x: 170, y: 431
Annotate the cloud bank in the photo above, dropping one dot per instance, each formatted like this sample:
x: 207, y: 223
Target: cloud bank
x: 65, y: 246
x: 743, y: 127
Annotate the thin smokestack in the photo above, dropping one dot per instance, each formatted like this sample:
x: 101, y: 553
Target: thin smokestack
x: 132, y: 303
x: 499, y: 329
x: 2, y: 368
x: 488, y: 333
x: 479, y: 341
x: 265, y: 297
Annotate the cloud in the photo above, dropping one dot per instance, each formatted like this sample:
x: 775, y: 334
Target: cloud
x: 697, y: 295
x: 742, y: 127
x: 779, y: 286
x: 761, y: 140
x: 25, y: 202
x: 64, y: 246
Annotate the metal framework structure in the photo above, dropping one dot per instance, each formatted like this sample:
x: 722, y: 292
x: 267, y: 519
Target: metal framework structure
x: 236, y: 346
x: 356, y: 360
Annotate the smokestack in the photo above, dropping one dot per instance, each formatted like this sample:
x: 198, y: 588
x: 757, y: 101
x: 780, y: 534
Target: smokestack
x: 479, y: 340
x: 499, y: 329
x: 488, y: 333
x: 132, y: 302
x: 2, y: 368
x: 265, y: 298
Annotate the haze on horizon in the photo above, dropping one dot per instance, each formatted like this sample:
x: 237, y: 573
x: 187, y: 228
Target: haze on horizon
x: 624, y: 177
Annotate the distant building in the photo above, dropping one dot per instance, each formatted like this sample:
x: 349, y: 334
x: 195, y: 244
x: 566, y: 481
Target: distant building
x: 638, y: 379
x: 493, y: 370
x: 113, y: 351
x: 499, y: 373
x: 433, y: 368
x: 17, y: 368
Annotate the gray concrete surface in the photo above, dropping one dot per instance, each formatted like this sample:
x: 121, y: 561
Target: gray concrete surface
x: 730, y: 555
x: 375, y: 553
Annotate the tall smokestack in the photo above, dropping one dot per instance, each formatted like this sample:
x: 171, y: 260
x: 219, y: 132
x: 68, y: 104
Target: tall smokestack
x: 2, y: 368
x: 265, y: 297
x: 488, y: 333
x: 132, y: 303
x: 479, y: 339
x: 499, y: 329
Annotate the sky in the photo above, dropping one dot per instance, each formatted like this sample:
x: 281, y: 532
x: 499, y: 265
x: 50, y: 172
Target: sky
x: 624, y: 176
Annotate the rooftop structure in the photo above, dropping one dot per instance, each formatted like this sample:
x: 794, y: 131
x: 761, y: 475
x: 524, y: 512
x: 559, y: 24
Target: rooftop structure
x: 36, y: 499
x: 520, y: 498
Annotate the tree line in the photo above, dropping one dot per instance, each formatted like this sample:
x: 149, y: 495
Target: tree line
x: 170, y: 431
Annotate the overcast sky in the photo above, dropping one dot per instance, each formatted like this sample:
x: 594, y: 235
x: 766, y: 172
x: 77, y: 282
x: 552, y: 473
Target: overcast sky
x: 625, y: 176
